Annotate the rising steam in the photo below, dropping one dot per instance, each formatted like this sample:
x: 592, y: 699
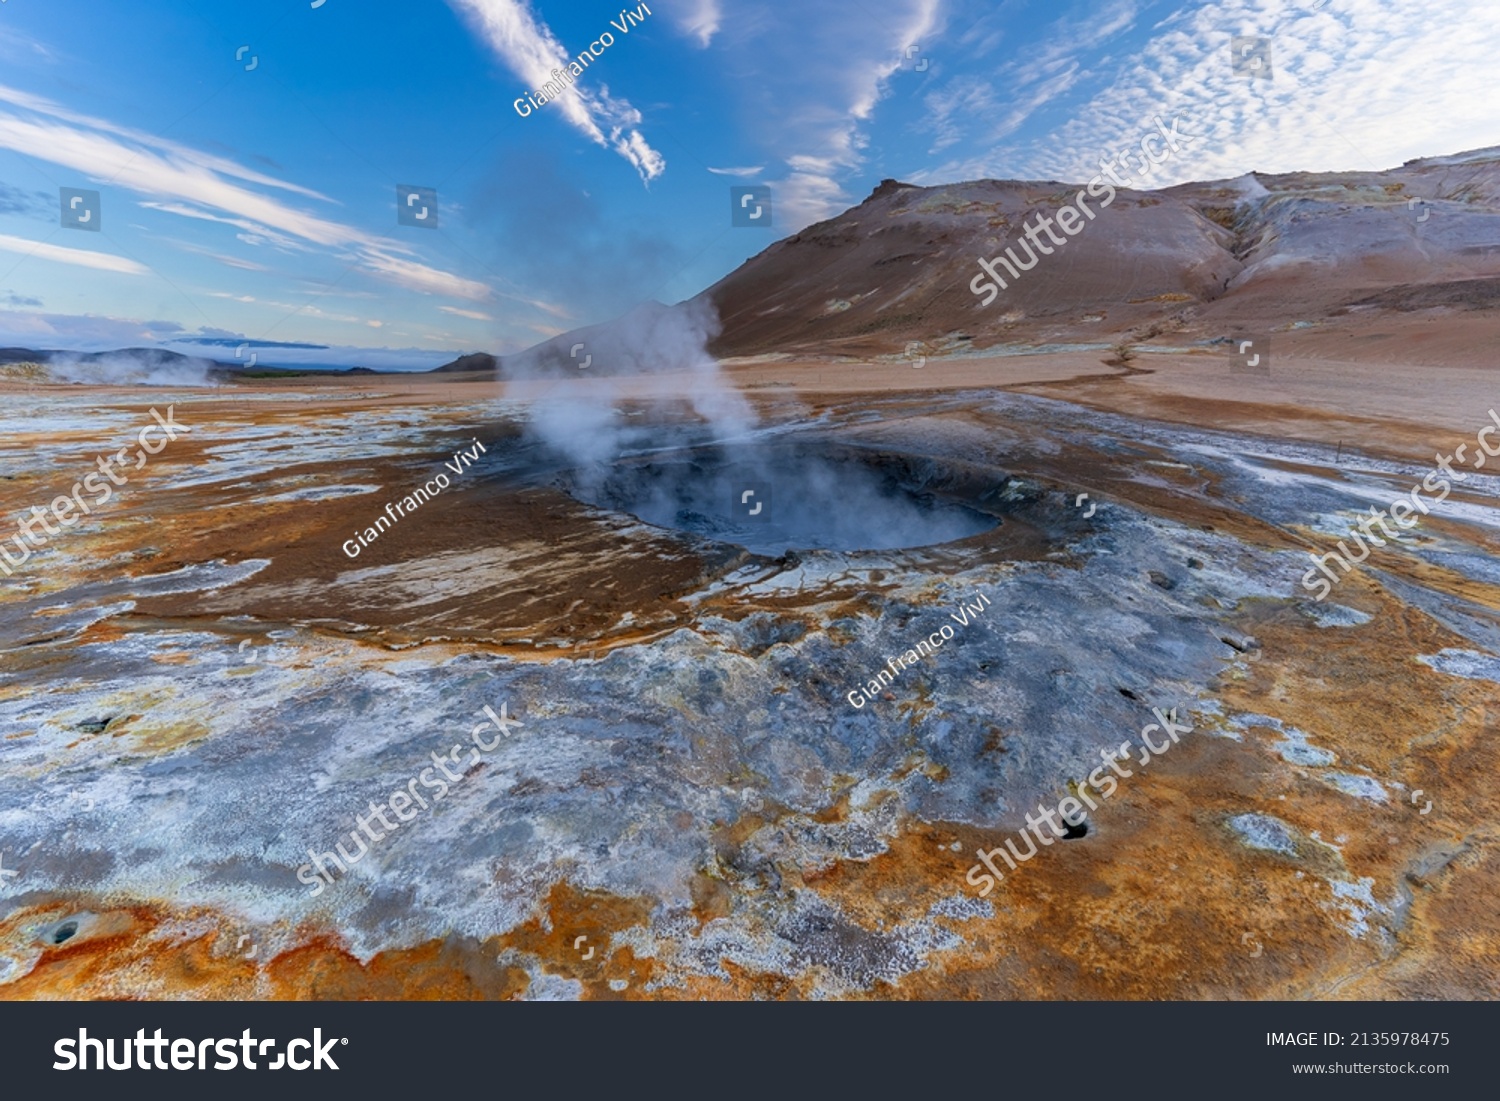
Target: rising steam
x: 603, y: 403
x: 132, y: 367
x: 655, y: 357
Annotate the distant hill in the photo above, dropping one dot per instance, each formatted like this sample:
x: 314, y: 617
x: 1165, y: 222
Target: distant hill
x: 156, y: 365
x: 154, y: 357
x: 474, y: 361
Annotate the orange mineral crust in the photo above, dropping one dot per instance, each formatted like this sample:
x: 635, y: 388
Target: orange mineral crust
x: 527, y: 744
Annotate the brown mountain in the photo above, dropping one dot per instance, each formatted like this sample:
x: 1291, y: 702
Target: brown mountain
x: 899, y: 266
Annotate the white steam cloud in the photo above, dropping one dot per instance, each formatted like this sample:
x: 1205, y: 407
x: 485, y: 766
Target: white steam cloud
x: 143, y: 367
x: 607, y: 403
x: 655, y: 356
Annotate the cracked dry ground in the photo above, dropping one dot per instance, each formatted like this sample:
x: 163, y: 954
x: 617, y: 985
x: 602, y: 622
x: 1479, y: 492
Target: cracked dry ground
x: 197, y: 686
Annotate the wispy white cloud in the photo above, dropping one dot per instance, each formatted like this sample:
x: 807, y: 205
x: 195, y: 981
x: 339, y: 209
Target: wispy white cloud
x: 186, y: 182
x: 982, y: 110
x: 254, y: 234
x: 200, y: 250
x: 309, y: 309
x: 181, y: 154
x: 529, y: 49
x: 418, y: 276
x: 17, y: 46
x: 473, y: 315
x: 1070, y: 39
x: 1340, y: 96
x: 813, y: 117
x: 952, y: 107
x: 1052, y: 86
x: 810, y: 192
x: 698, y: 19
x: 78, y: 257
x: 742, y: 173
x: 538, y: 304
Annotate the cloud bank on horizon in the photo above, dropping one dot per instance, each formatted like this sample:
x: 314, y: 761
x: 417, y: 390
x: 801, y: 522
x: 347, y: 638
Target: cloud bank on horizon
x: 249, y: 161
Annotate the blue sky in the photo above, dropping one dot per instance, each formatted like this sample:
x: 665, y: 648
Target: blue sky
x: 259, y: 204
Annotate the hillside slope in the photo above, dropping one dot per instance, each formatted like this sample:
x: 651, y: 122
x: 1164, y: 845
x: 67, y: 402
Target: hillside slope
x: 1257, y: 249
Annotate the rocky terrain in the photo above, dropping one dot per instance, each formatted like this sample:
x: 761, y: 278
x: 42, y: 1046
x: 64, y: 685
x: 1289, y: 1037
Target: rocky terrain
x: 202, y: 689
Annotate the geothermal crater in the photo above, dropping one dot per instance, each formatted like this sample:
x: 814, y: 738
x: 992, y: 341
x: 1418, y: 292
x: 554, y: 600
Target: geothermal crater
x: 792, y: 496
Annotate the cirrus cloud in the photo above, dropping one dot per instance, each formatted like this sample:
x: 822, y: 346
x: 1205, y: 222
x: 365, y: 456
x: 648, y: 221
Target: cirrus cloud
x: 78, y: 257
x: 530, y: 50
x: 186, y: 182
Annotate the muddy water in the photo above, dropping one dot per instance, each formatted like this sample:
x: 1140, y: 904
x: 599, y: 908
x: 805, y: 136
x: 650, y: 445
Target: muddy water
x: 783, y: 497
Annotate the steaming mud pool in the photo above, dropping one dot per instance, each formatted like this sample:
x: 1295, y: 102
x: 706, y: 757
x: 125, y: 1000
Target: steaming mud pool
x: 786, y: 497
